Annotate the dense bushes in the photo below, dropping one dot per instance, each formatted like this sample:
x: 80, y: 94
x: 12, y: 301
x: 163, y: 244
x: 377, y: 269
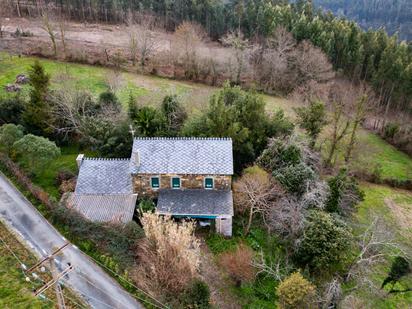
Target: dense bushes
x: 11, y: 110
x: 324, y: 242
x: 295, y: 178
x: 344, y: 193
x: 118, y: 241
x: 240, y: 115
x: 196, y: 296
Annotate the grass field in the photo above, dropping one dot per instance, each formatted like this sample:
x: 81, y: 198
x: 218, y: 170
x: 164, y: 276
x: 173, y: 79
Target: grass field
x: 15, y: 292
x: 394, y: 208
x: 148, y: 89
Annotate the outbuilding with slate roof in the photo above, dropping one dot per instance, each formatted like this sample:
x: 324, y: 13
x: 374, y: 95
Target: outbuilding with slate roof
x: 188, y: 177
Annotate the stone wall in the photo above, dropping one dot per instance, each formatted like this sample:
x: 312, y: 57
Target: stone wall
x: 141, y: 183
x: 224, y: 225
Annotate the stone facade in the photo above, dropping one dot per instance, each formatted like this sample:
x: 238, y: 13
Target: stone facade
x: 142, y: 185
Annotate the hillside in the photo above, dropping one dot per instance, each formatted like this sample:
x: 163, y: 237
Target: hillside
x: 393, y: 16
x: 236, y: 154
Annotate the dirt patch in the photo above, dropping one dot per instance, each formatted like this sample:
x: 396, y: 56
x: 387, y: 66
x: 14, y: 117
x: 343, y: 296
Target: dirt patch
x: 402, y: 214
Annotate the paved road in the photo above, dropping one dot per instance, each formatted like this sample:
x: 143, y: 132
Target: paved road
x: 87, y: 279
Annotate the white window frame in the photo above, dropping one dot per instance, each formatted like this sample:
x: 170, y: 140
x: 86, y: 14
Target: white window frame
x: 213, y: 182
x: 153, y: 188
x: 171, y: 182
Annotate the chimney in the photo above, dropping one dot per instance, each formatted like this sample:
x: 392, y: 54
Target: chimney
x: 136, y: 158
x: 79, y: 160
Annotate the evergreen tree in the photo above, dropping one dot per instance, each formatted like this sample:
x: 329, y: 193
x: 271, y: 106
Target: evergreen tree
x: 132, y: 108
x: 312, y: 119
x: 36, y: 115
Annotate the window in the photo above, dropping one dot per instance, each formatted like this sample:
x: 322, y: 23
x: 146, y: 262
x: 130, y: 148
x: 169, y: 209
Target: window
x: 155, y: 182
x: 208, y: 183
x: 175, y: 182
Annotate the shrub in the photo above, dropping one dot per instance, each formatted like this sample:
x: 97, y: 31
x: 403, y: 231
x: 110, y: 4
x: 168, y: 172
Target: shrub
x: 174, y: 114
x: 312, y: 119
x: 238, y: 264
x: 64, y: 175
x: 149, y: 121
x: 344, y: 193
x: 196, y: 296
x: 280, y: 153
x: 35, y: 151
x: 9, y: 134
x: 11, y: 110
x: 146, y: 205
x: 169, y: 256
x: 390, y: 130
x: 324, y: 242
x: 117, y: 240
x: 67, y: 185
x: 295, y: 292
x: 295, y: 178
x: 399, y: 268
x: 109, y: 100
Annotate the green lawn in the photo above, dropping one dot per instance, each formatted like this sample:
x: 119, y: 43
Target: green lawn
x: 372, y: 155
x: 47, y: 178
x: 375, y: 205
x: 148, y: 89
x: 15, y: 292
x: 375, y: 152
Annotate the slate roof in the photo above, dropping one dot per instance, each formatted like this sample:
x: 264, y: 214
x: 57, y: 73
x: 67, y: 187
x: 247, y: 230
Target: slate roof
x: 195, y: 202
x: 116, y: 208
x: 104, y: 176
x: 183, y: 155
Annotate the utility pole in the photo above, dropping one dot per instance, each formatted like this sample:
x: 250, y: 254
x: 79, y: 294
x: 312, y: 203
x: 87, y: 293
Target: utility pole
x: 57, y: 287
x: 53, y: 281
x: 47, y: 257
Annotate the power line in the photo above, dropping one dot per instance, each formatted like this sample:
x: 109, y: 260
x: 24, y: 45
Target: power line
x: 88, y: 296
x: 91, y: 283
x: 12, y: 252
x: 140, y: 290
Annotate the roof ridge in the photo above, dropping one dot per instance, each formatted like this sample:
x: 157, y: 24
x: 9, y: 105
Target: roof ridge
x: 184, y: 138
x: 106, y: 159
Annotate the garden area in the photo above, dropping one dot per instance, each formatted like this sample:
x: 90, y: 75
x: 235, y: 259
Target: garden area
x: 302, y: 216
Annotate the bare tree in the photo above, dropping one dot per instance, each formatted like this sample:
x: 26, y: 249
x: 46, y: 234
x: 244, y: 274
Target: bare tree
x: 48, y: 26
x: 271, y: 60
x: 287, y: 218
x: 146, y: 42
x: 375, y: 244
x: 74, y: 113
x: 240, y: 47
x: 187, y: 39
x: 254, y: 193
x: 361, y: 107
x: 278, y: 268
x: 312, y: 64
x: 62, y: 29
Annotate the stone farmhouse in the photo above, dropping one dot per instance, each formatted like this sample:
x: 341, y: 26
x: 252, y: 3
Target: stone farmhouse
x: 188, y: 177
